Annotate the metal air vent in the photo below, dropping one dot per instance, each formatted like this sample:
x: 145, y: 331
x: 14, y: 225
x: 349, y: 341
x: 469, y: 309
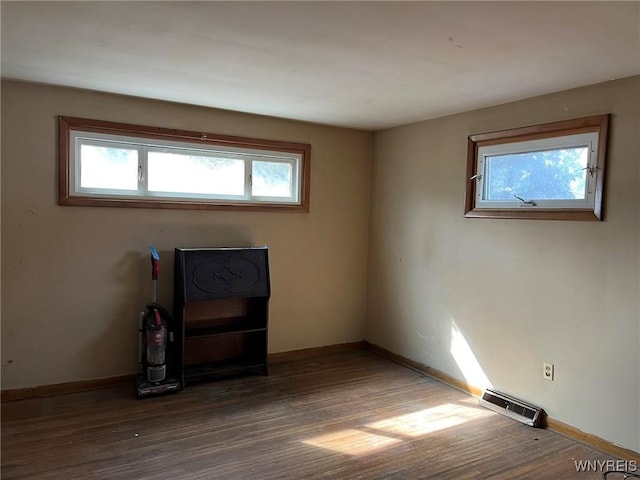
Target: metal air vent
x: 512, y: 407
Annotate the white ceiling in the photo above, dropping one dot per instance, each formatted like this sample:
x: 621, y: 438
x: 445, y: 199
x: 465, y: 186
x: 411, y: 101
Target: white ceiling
x: 368, y: 65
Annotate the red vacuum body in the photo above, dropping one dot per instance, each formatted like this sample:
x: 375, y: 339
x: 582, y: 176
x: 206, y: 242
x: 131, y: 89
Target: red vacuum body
x: 155, y: 333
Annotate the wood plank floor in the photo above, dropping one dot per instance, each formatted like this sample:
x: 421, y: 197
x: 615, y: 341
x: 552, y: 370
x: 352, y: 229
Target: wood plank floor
x: 335, y: 415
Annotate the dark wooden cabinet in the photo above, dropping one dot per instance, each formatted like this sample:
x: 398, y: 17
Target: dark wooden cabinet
x: 221, y: 306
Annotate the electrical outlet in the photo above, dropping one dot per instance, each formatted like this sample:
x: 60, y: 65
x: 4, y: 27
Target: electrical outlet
x: 547, y: 371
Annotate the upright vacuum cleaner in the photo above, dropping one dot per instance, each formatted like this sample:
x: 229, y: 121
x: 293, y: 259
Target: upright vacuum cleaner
x: 156, y: 344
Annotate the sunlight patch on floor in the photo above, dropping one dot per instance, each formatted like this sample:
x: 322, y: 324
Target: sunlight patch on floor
x: 429, y: 420
x: 352, y: 442
x: 356, y: 442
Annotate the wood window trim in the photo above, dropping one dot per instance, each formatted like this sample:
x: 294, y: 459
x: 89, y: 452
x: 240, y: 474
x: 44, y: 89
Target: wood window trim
x: 596, y: 123
x: 66, y: 124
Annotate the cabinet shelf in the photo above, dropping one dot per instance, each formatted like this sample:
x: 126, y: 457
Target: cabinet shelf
x: 222, y: 369
x: 222, y: 326
x: 221, y: 305
x: 216, y: 331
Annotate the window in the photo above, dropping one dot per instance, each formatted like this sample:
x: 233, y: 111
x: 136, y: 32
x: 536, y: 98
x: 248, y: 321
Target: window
x: 553, y: 171
x: 114, y: 164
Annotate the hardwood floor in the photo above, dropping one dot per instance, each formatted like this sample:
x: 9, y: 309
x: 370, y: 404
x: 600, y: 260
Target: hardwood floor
x: 337, y: 415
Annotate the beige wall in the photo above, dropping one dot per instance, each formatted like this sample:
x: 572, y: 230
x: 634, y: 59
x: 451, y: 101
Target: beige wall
x: 74, y: 278
x: 480, y: 298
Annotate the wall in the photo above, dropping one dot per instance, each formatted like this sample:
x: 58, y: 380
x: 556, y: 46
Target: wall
x: 74, y: 278
x: 488, y: 301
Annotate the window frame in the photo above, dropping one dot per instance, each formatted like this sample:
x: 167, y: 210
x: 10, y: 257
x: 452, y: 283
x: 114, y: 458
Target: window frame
x: 67, y: 167
x: 556, y: 132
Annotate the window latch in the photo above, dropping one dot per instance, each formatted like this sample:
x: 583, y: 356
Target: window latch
x: 525, y: 203
x: 476, y: 176
x: 590, y: 170
x: 140, y: 174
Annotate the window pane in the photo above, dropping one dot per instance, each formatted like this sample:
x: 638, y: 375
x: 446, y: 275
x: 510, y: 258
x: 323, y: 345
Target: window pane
x: 108, y: 167
x: 181, y: 173
x: 544, y: 175
x: 272, y: 179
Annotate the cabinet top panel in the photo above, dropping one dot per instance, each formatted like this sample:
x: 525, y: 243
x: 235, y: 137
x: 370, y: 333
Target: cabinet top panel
x: 214, y: 273
x: 214, y: 249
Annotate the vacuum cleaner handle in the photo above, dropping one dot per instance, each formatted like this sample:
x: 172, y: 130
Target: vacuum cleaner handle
x: 155, y: 263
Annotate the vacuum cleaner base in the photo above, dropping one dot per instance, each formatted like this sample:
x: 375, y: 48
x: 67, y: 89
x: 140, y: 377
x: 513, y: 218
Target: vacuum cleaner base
x: 144, y: 388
